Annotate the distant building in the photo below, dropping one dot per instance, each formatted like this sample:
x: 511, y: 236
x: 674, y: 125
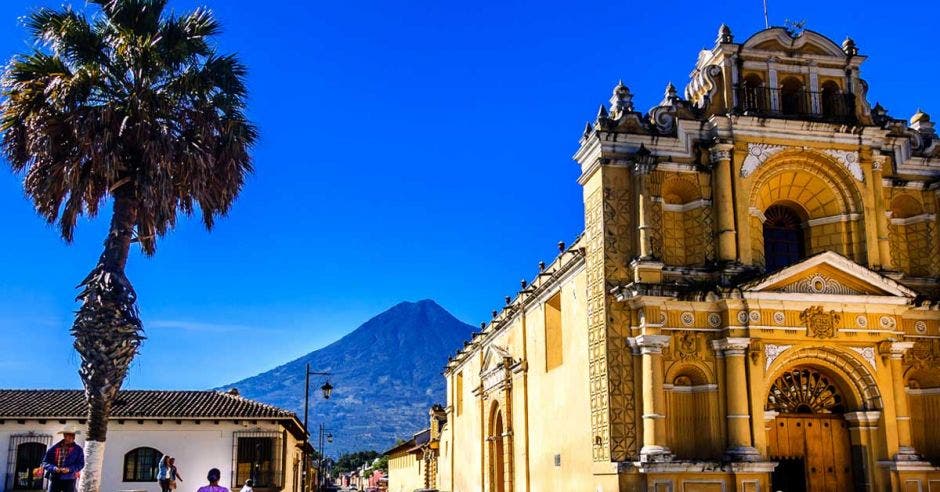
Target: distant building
x: 753, y: 304
x: 202, y: 429
x: 413, y: 464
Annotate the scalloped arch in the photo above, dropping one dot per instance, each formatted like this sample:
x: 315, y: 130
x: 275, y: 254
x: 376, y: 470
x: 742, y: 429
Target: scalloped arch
x: 858, y: 385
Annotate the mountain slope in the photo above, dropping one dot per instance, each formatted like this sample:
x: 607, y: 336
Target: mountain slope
x: 386, y: 374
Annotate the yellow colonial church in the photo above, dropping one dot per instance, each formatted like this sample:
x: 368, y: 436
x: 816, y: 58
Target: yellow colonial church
x: 752, y: 305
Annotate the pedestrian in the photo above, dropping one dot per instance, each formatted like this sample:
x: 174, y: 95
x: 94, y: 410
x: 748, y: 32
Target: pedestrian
x: 213, y: 477
x: 63, y: 462
x: 249, y: 486
x: 167, y: 473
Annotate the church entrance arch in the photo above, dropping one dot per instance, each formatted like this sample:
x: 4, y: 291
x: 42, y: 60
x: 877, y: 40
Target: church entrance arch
x: 497, y: 451
x: 809, y: 436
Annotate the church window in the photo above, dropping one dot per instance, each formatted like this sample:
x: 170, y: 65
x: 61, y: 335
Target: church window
x: 783, y: 237
x: 832, y: 104
x: 792, y: 97
x: 553, y: 332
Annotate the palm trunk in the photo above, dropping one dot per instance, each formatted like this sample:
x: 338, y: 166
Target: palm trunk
x: 107, y: 332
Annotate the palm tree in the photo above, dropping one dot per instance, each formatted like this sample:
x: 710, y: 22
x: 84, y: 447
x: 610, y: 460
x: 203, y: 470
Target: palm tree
x: 133, y: 104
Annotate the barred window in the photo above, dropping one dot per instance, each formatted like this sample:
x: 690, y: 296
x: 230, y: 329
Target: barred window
x: 140, y: 465
x: 259, y: 456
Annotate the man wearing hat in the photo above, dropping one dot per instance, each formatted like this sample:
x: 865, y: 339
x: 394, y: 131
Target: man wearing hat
x: 64, y: 461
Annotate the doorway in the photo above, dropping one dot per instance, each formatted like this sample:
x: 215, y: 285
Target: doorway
x: 809, y: 436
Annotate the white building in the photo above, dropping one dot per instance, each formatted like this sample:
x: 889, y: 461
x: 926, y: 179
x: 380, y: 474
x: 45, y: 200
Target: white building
x: 201, y: 429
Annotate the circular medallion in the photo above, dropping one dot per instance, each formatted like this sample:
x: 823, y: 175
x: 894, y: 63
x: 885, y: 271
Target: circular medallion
x: 755, y: 316
x: 662, y: 318
x: 714, y: 320
x: 887, y: 322
x: 920, y: 327
x: 861, y: 321
x: 742, y: 317
x: 687, y: 318
x: 779, y: 317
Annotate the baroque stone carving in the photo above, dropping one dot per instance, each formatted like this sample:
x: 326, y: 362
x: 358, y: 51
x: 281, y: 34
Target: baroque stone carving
x: 868, y: 353
x: 742, y: 317
x: 687, y: 318
x: 862, y: 321
x: 779, y: 317
x: 920, y: 327
x: 819, y: 323
x: 818, y: 283
x: 687, y: 346
x: 887, y: 322
x: 849, y: 160
x: 771, y: 352
x: 609, y: 237
x: 714, y: 320
x: 757, y: 153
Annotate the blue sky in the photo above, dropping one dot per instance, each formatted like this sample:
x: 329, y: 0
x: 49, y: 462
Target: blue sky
x: 409, y: 150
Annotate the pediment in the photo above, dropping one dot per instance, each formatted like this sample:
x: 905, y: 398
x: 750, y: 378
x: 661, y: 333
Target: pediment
x: 828, y: 273
x: 493, y: 357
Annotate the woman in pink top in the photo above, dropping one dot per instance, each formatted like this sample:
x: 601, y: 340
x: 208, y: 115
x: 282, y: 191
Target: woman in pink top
x: 213, y: 478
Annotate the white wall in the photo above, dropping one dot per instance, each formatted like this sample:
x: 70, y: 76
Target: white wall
x: 197, y: 448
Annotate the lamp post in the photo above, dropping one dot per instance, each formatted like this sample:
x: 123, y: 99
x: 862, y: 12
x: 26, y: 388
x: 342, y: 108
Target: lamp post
x: 329, y: 438
x: 327, y: 390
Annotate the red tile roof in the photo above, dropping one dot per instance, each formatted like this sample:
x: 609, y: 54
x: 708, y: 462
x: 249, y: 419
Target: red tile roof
x: 140, y: 404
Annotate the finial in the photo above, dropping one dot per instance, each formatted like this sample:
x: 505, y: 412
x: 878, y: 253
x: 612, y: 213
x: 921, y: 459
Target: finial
x: 494, y: 313
x: 848, y: 46
x: 921, y: 122
x: 523, y: 283
x: 588, y: 128
x: 508, y: 300
x: 602, y: 113
x: 541, y: 266
x: 621, y: 100
x: 724, y: 35
x: 483, y: 325
x: 920, y: 116
x: 670, y: 97
x: 561, y: 246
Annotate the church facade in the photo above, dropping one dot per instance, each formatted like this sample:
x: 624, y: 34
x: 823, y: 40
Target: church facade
x: 752, y: 306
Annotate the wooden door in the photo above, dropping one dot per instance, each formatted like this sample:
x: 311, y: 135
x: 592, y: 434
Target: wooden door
x: 821, y: 441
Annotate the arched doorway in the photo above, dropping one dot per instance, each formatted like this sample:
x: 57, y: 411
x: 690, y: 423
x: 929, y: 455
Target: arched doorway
x: 784, y: 242
x: 808, y: 436
x: 497, y: 451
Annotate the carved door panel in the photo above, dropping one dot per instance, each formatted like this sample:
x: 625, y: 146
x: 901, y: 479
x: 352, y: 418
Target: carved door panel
x: 821, y: 442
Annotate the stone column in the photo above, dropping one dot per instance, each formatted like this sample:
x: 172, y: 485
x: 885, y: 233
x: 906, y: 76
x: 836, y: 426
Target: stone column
x: 902, y: 413
x: 740, y: 445
x: 881, y: 220
x: 641, y: 170
x: 654, y: 398
x: 724, y: 202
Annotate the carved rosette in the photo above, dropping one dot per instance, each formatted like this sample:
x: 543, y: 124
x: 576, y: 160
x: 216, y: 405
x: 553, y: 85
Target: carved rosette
x: 819, y: 323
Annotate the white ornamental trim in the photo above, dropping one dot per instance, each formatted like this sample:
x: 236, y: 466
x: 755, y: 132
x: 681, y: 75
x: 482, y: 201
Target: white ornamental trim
x: 771, y: 352
x: 868, y: 353
x: 849, y: 160
x: 757, y: 153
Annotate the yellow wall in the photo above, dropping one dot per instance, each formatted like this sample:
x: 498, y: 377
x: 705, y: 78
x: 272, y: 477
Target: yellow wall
x: 405, y: 472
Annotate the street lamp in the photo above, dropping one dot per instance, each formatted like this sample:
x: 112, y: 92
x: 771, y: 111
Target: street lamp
x: 327, y: 390
x: 329, y: 438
